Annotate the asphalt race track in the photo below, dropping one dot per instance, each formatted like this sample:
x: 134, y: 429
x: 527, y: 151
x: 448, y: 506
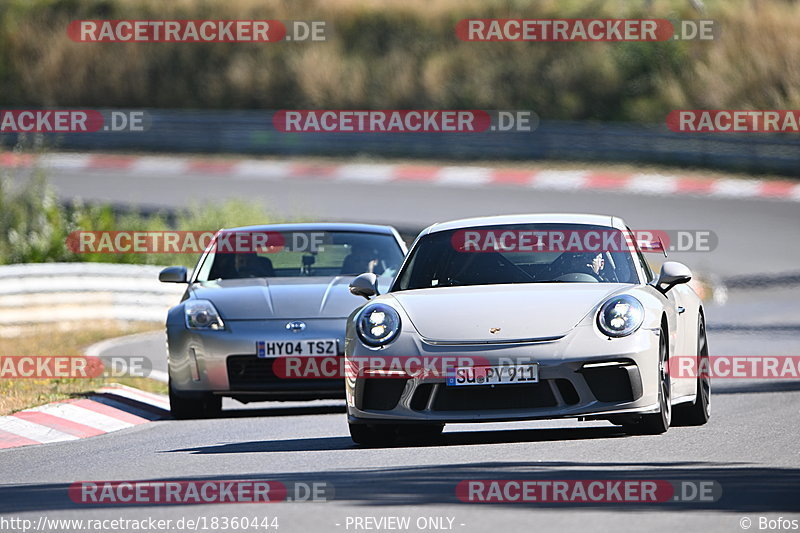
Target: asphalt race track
x: 756, y: 236
x: 749, y: 448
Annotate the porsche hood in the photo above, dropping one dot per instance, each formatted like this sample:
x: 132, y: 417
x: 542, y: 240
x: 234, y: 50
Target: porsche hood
x: 501, y: 312
x: 289, y: 298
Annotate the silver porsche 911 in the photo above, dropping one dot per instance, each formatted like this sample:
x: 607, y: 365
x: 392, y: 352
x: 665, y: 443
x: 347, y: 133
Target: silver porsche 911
x: 261, y: 293
x: 524, y: 317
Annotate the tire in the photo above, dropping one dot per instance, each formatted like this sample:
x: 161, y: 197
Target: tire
x: 373, y: 436
x: 658, y: 423
x: 187, y: 407
x: 698, y: 412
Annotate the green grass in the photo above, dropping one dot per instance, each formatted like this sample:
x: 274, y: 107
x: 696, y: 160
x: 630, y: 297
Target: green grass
x: 34, y: 226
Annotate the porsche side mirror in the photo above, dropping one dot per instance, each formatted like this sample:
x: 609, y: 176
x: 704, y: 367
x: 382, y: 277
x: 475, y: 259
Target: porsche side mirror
x: 672, y: 273
x: 173, y: 275
x: 365, y: 285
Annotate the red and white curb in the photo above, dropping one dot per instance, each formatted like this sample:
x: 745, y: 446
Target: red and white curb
x: 458, y: 176
x: 109, y: 409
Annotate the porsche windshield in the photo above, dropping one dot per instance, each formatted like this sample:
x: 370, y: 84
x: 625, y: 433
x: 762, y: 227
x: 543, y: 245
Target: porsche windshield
x: 520, y: 253
x: 267, y: 254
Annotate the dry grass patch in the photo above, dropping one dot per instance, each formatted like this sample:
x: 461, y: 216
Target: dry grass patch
x: 18, y: 394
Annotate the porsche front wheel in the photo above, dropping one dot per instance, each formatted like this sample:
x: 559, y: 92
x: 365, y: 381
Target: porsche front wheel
x: 698, y: 412
x: 657, y: 423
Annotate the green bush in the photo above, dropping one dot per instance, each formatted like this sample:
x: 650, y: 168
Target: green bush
x: 34, y: 226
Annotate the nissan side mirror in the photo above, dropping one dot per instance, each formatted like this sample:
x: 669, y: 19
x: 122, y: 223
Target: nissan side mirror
x: 175, y: 274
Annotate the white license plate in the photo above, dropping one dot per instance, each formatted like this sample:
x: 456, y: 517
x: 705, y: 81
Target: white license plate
x: 305, y: 347
x: 492, y: 375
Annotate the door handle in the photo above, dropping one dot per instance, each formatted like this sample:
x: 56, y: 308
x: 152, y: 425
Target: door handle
x: 681, y: 309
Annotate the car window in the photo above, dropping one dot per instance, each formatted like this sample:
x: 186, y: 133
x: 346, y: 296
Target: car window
x: 450, y: 258
x: 307, y: 253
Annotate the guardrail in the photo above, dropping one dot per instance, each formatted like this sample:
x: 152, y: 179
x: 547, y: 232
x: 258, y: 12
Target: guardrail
x: 252, y: 132
x: 52, y: 293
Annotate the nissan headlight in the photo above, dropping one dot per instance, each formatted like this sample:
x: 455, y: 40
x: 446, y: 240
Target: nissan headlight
x: 377, y: 325
x: 201, y: 314
x: 620, y: 316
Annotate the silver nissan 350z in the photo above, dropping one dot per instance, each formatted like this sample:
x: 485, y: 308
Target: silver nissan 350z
x: 260, y: 295
x: 525, y: 317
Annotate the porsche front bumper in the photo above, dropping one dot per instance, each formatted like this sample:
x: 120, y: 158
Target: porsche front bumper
x: 580, y: 375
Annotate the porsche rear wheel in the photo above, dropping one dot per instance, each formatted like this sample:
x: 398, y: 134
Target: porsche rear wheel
x: 698, y: 412
x: 657, y: 423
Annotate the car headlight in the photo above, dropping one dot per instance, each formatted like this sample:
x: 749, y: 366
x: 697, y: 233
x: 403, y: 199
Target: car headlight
x: 201, y: 314
x: 377, y: 324
x: 620, y: 316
